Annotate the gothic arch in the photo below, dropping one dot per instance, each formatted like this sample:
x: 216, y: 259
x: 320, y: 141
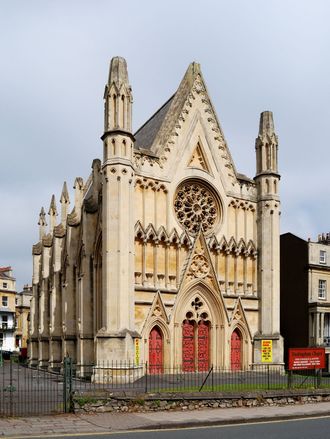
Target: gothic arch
x: 246, y: 352
x: 151, y: 323
x: 216, y: 314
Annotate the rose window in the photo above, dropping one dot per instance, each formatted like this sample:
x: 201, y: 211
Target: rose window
x: 196, y: 207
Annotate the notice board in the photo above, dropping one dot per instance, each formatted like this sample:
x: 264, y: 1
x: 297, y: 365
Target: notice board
x: 306, y: 358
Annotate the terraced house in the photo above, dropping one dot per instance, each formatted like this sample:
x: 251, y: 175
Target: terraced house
x: 7, y: 309
x: 169, y: 255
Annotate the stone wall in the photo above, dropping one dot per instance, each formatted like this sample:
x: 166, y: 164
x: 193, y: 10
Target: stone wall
x: 89, y: 403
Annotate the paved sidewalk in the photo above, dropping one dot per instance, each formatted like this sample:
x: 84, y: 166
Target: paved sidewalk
x: 106, y: 422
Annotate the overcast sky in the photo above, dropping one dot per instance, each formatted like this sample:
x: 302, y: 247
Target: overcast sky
x: 255, y: 55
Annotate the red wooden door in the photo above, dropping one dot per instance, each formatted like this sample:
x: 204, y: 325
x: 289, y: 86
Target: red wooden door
x: 236, y: 351
x: 155, y: 351
x: 188, y: 347
x: 203, y: 346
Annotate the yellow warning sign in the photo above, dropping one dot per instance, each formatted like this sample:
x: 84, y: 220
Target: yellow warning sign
x: 266, y: 351
x: 137, y: 351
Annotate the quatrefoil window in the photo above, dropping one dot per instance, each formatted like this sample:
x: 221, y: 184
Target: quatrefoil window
x: 196, y: 207
x: 196, y: 303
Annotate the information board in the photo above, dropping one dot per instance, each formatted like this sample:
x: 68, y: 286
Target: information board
x: 266, y: 351
x: 306, y: 358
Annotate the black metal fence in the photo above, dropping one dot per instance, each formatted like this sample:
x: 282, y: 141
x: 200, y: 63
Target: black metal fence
x: 117, y: 376
x: 26, y: 391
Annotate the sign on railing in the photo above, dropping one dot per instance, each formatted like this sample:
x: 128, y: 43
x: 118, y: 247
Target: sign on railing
x: 306, y: 358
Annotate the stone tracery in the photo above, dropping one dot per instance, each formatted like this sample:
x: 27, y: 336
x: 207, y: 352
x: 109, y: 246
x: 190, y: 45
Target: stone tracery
x: 195, y: 206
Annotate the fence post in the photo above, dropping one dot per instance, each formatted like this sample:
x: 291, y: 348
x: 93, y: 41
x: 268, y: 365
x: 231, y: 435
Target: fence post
x: 212, y: 379
x: 268, y: 381
x: 289, y: 379
x: 318, y: 375
x: 67, y: 385
x: 11, y: 387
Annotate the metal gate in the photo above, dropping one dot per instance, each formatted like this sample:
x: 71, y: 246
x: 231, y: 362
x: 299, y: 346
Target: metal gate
x: 26, y: 391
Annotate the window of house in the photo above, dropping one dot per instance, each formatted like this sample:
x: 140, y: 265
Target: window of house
x: 5, y: 285
x: 4, y: 322
x: 322, y: 288
x: 323, y: 257
x: 4, y: 300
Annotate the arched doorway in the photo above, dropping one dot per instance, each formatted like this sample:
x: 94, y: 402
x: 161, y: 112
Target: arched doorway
x: 236, y: 350
x: 155, y: 351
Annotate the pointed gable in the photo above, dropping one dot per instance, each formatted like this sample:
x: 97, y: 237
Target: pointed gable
x: 161, y: 134
x: 199, y: 264
x: 238, y: 317
x: 157, y: 311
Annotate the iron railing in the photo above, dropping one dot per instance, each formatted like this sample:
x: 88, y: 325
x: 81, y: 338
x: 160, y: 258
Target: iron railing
x: 28, y: 391
x: 117, y: 376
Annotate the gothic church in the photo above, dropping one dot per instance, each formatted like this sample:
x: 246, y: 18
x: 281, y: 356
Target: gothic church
x: 169, y: 255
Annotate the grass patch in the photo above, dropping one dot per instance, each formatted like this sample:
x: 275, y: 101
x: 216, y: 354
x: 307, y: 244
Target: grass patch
x: 83, y: 400
x: 233, y: 388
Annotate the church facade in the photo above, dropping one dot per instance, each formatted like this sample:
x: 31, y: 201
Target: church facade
x: 169, y: 255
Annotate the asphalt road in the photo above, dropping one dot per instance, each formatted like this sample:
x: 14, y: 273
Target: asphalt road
x: 317, y: 428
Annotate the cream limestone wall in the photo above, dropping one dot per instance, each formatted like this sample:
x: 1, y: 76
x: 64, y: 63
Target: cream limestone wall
x: 124, y: 260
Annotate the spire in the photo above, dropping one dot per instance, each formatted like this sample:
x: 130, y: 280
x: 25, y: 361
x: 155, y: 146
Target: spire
x: 266, y: 145
x: 118, y: 98
x: 52, y: 213
x: 118, y: 71
x: 65, y: 201
x: 42, y: 223
x: 266, y: 124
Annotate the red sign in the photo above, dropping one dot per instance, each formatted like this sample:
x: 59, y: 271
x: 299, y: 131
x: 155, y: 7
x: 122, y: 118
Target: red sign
x: 306, y: 358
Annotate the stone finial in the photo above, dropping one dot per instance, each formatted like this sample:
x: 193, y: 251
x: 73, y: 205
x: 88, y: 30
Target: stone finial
x: 65, y: 201
x: 266, y: 125
x: 118, y: 73
x: 65, y: 194
x: 42, y: 223
x: 118, y: 98
x: 78, y: 193
x: 52, y: 214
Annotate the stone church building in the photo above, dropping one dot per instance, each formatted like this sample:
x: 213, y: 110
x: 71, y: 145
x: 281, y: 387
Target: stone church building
x: 168, y: 255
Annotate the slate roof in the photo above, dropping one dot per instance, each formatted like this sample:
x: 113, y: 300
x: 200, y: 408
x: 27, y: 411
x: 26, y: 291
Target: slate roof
x: 145, y: 136
x: 5, y: 273
x: 155, y: 132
